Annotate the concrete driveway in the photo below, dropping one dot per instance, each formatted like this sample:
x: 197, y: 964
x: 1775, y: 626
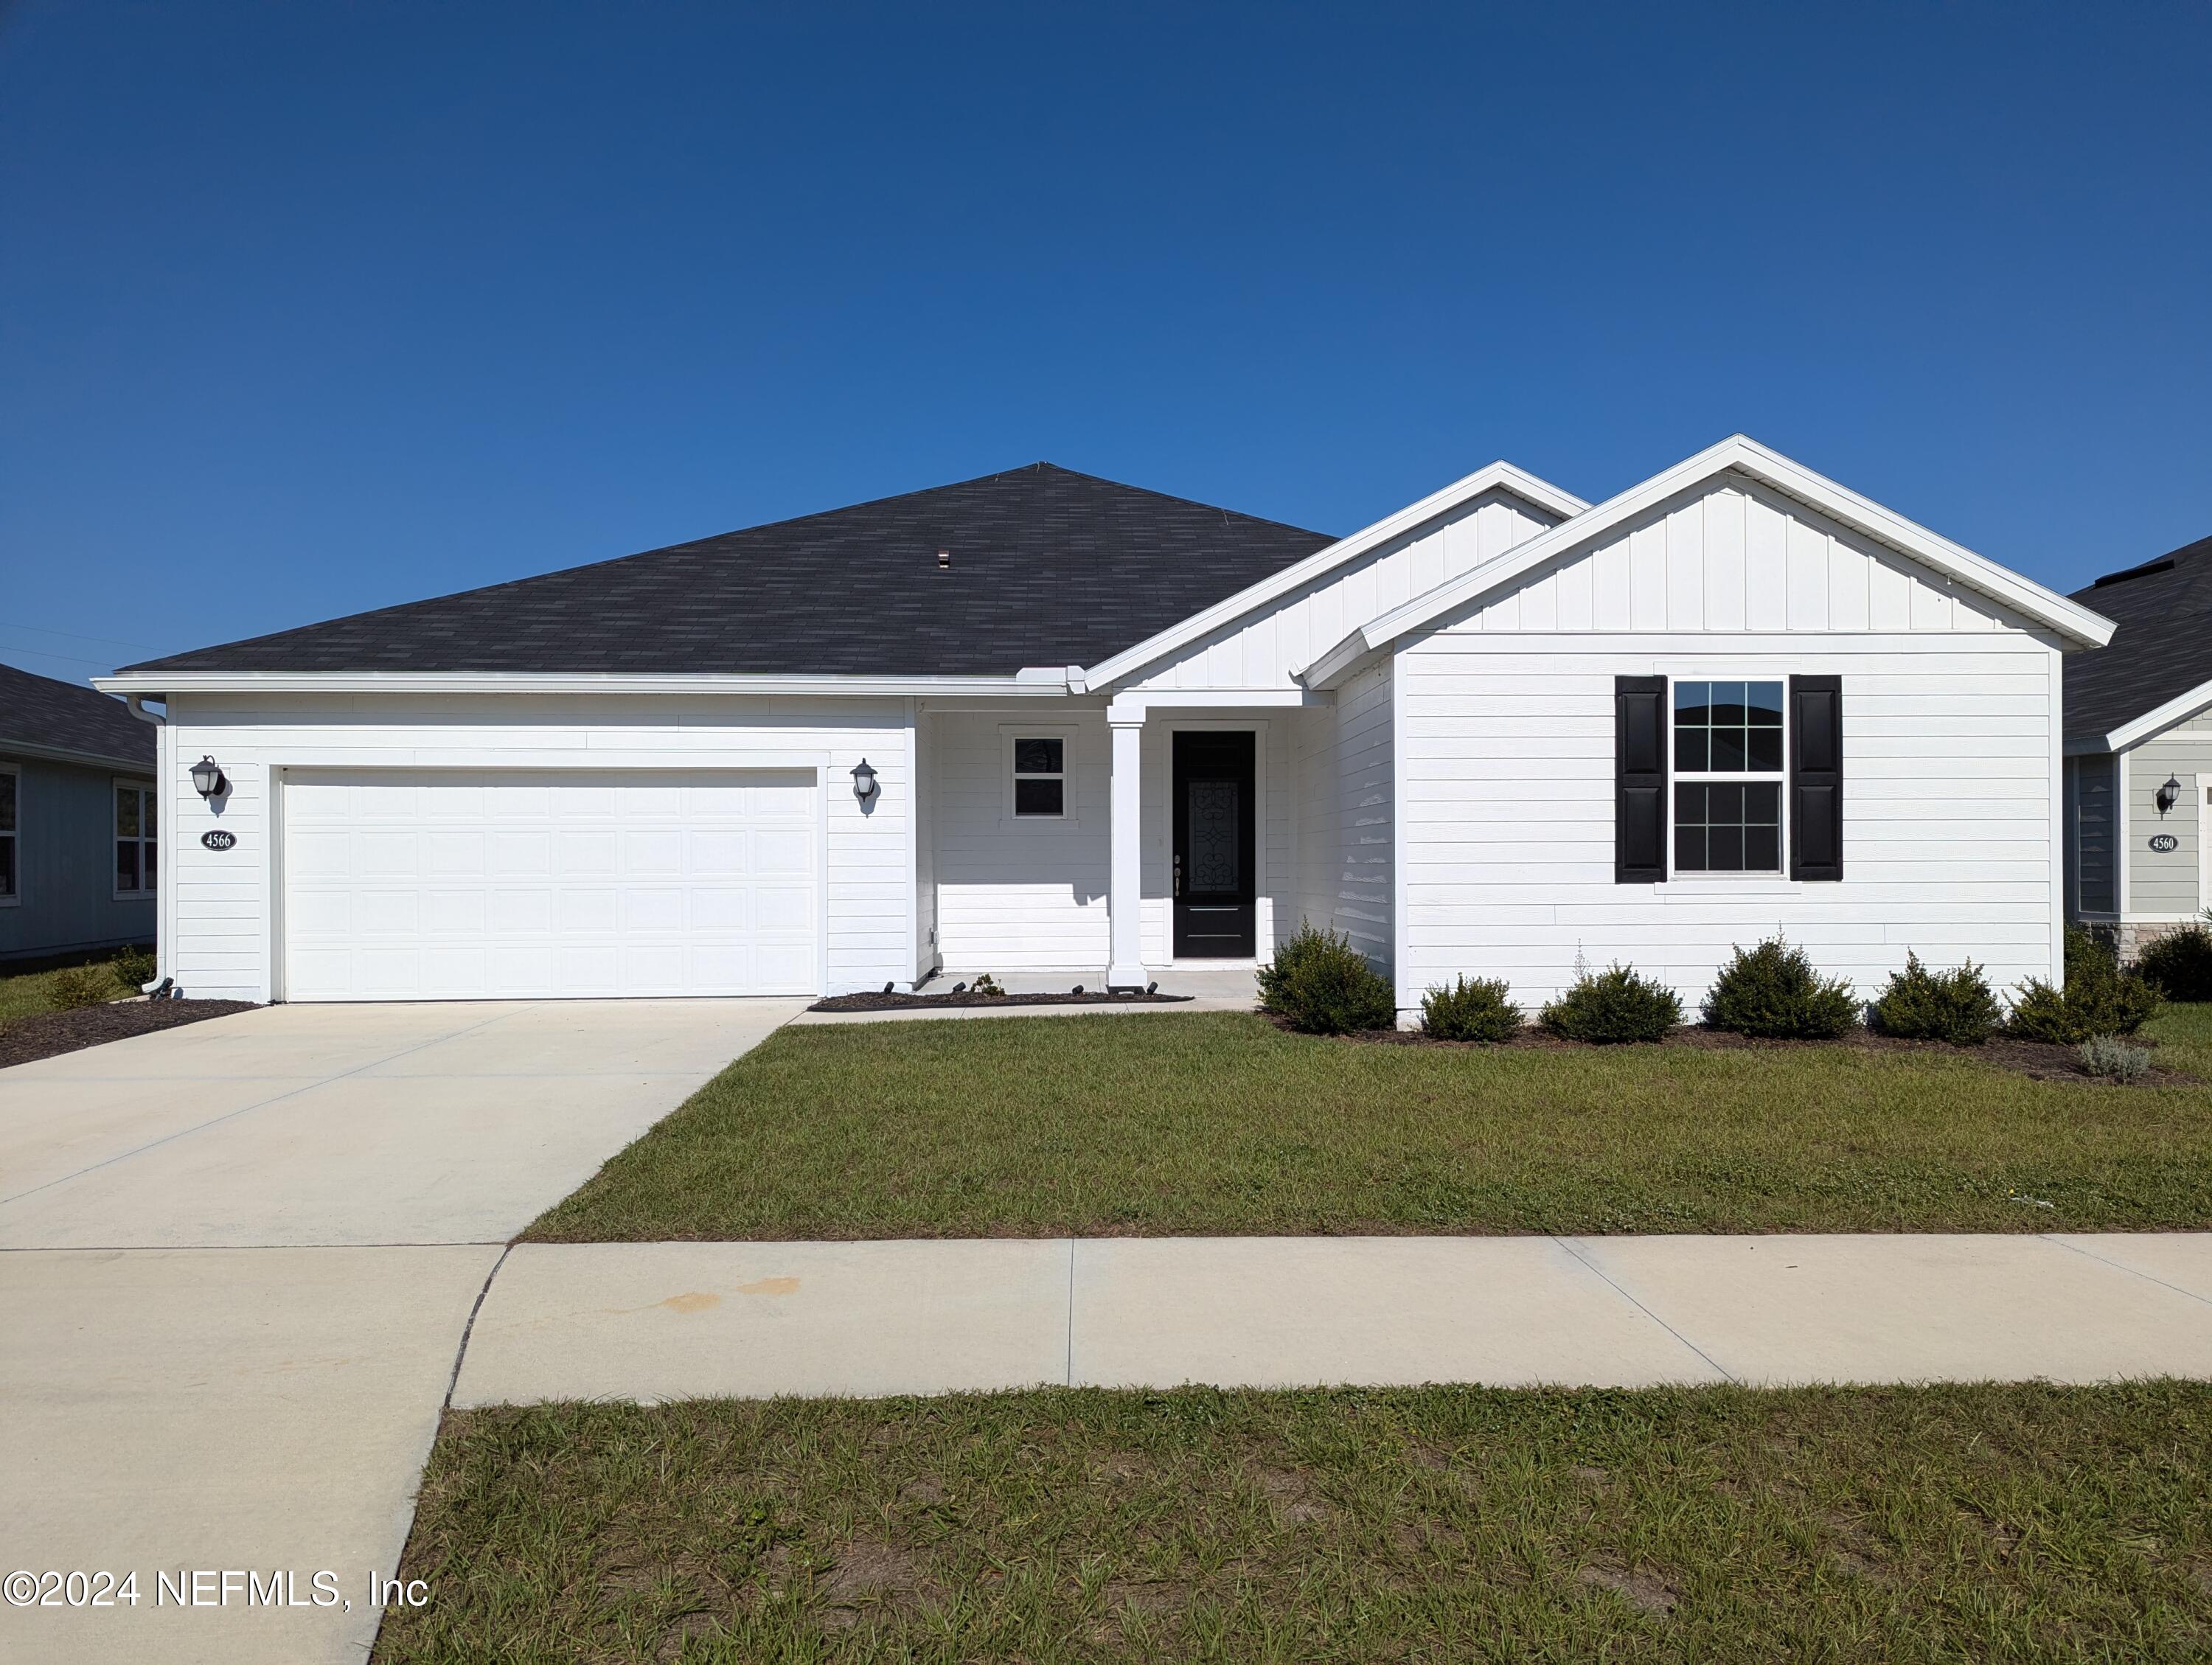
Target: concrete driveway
x: 236, y: 1262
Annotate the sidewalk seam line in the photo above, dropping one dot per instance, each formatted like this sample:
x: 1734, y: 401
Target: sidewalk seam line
x: 1572, y: 1247
x: 2133, y: 1272
x: 469, y: 1328
x: 262, y: 1105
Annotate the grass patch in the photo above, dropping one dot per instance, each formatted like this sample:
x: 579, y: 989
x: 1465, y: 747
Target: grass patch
x: 1220, y: 1123
x: 1713, y: 1524
x: 25, y: 991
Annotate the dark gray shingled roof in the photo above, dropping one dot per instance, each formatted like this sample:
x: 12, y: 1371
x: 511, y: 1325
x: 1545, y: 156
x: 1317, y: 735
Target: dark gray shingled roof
x: 62, y: 716
x: 2162, y: 649
x: 1049, y: 567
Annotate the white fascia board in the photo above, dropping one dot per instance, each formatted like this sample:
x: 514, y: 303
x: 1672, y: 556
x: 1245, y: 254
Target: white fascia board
x: 1497, y: 476
x: 167, y: 682
x: 2180, y: 710
x: 1745, y: 456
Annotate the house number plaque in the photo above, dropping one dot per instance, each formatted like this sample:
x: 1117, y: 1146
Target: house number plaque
x: 2165, y: 843
x: 218, y: 840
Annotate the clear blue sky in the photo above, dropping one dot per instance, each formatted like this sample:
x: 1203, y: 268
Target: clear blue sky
x: 308, y: 307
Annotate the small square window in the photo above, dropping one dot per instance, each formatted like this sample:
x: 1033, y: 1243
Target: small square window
x: 1040, y: 777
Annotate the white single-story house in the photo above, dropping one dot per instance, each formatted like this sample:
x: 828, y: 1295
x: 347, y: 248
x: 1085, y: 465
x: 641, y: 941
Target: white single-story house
x: 2139, y: 752
x: 1042, y: 723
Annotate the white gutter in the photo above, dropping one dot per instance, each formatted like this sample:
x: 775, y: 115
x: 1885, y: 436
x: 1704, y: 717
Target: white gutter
x: 1052, y: 682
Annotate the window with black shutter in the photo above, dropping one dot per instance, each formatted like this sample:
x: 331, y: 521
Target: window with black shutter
x: 1816, y: 778
x: 1639, y: 780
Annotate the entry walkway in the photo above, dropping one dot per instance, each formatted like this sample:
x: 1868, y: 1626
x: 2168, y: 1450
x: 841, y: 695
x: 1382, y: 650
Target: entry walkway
x: 663, y: 1321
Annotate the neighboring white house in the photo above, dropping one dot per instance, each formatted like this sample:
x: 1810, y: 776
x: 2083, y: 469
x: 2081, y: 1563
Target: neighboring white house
x: 1108, y: 734
x: 2139, y: 752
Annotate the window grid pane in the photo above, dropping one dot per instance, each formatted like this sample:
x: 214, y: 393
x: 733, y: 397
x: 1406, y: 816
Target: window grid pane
x: 7, y: 802
x: 1722, y: 828
x: 126, y: 864
x: 8, y: 866
x: 1728, y: 727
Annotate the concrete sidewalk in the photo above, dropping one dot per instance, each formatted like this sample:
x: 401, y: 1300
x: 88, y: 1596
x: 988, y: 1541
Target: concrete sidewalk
x: 664, y: 1321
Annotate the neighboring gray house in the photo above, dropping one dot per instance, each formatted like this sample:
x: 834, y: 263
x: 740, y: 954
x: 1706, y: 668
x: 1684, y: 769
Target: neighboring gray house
x: 2139, y: 750
x: 79, y: 844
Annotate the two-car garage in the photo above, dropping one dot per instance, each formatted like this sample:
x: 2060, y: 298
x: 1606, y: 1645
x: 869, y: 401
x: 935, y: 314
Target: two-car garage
x: 420, y: 884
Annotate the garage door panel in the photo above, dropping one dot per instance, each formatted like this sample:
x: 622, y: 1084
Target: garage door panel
x: 425, y: 884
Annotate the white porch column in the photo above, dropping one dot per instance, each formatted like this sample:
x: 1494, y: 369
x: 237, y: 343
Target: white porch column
x: 1125, y: 865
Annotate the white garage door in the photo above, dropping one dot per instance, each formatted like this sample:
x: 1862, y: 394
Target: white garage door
x: 444, y: 885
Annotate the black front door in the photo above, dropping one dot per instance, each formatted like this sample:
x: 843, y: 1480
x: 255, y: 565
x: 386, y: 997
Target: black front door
x: 1215, y: 821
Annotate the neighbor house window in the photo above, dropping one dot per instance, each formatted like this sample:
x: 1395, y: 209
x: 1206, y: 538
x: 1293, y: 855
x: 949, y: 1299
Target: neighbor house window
x: 135, y: 840
x: 1040, y: 777
x: 8, y: 867
x: 1727, y: 777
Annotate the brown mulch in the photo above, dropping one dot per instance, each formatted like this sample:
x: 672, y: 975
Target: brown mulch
x: 895, y: 1002
x: 2039, y: 1060
x: 49, y: 1033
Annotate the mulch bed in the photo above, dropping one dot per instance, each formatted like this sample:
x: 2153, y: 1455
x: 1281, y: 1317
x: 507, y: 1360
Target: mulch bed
x: 2039, y: 1060
x: 896, y: 1002
x: 49, y: 1033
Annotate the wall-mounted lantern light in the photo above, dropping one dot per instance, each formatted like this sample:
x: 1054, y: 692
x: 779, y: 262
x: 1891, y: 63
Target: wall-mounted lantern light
x: 864, y: 781
x: 2169, y: 794
x: 207, y: 778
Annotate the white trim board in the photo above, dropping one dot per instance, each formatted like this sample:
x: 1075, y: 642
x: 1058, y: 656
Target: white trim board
x: 2152, y: 723
x: 1743, y: 456
x: 1496, y: 476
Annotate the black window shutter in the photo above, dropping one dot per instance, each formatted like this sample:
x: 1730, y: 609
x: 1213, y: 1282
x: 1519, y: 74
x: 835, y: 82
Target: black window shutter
x: 1639, y: 780
x: 1816, y: 778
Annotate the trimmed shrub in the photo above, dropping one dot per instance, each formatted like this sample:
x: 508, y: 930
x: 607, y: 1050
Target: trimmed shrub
x: 2115, y: 1060
x: 1770, y: 990
x: 1322, y: 984
x: 1613, y: 1006
x: 1920, y: 1005
x: 1472, y: 1009
x: 135, y: 969
x: 81, y: 986
x: 2180, y: 964
x: 2099, y: 999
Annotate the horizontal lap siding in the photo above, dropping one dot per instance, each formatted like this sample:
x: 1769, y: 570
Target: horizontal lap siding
x: 1019, y: 894
x: 1507, y: 835
x: 1348, y: 802
x: 222, y: 926
x: 2166, y: 883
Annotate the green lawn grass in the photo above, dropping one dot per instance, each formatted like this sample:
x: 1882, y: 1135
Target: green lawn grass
x: 1222, y: 1124
x: 1981, y: 1522
x: 24, y: 992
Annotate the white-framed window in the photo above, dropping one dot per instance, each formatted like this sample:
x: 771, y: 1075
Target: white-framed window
x: 1037, y: 779
x: 1731, y: 759
x: 11, y: 868
x: 136, y: 840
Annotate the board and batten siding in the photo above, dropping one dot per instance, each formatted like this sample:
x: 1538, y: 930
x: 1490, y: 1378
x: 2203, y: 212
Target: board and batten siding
x: 2164, y: 885
x: 1346, y: 802
x: 1505, y: 759
x: 1263, y: 649
x: 222, y: 905
x: 2093, y: 822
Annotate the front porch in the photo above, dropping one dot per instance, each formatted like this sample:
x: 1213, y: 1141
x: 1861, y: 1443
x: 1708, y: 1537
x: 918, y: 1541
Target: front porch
x: 1118, y: 845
